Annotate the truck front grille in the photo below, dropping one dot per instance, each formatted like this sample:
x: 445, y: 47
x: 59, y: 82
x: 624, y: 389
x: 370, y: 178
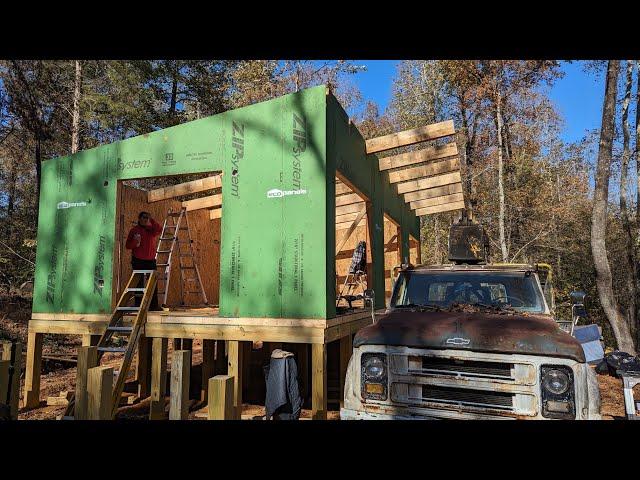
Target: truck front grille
x: 467, y: 397
x: 466, y: 368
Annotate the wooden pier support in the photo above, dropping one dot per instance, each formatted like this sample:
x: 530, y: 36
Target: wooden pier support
x: 5, y: 365
x: 319, y: 380
x: 87, y: 359
x: 234, y: 359
x: 12, y: 352
x: 32, y: 370
x: 99, y: 393
x: 158, y: 378
x: 346, y: 348
x: 220, y: 405
x: 179, y: 390
x: 143, y: 367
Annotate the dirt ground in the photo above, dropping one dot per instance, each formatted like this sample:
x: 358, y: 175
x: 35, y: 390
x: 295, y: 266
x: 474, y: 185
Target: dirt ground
x: 57, y: 376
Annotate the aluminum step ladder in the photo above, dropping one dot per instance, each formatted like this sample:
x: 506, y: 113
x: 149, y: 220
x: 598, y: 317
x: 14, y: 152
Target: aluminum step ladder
x: 190, y: 284
x: 141, y: 284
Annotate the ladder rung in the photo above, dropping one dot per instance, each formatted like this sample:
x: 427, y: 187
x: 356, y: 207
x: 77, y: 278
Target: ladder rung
x: 163, y: 251
x: 127, y: 309
x: 162, y: 264
x: 112, y: 349
x: 134, y: 289
x: 120, y: 329
x: 166, y: 238
x: 174, y: 214
x: 187, y: 268
x: 149, y: 272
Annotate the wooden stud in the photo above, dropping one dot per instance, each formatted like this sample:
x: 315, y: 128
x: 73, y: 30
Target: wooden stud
x: 208, y: 366
x: 158, y: 378
x: 428, y: 154
x: 432, y: 202
x: 87, y: 359
x: 234, y: 369
x: 427, y: 170
x: 433, y: 192
x: 409, y: 137
x: 204, y: 202
x: 431, y: 182
x: 319, y: 380
x: 179, y: 390
x: 99, y: 393
x: 350, y: 230
x: 32, y: 370
x: 346, y: 348
x: 220, y: 405
x: 447, y: 207
x: 186, y: 188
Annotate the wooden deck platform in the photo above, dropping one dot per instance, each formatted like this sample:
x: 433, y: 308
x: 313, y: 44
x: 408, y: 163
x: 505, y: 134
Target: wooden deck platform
x: 204, y: 324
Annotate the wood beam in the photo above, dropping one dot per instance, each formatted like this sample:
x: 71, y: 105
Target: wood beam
x: 350, y: 230
x: 419, y: 156
x: 428, y: 170
x: 186, y: 188
x: 424, y: 183
x: 211, y: 201
x: 445, y: 207
x: 409, y: 137
x: 432, y: 202
x: 353, y: 208
x: 348, y: 199
x: 215, y: 213
x: 433, y: 192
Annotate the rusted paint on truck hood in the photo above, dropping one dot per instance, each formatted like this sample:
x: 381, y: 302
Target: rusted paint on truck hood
x: 477, y: 331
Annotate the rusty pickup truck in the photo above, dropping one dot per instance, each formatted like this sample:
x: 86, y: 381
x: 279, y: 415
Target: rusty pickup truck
x: 469, y: 342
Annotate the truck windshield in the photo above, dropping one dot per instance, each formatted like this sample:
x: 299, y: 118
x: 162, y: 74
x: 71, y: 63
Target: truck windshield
x: 443, y: 289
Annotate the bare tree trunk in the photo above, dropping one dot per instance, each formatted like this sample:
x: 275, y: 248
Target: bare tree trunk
x: 599, y: 215
x: 631, y: 279
x: 503, y: 241
x: 75, y: 121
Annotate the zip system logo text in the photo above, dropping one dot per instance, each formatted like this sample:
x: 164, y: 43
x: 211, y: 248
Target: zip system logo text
x: 299, y: 147
x: 237, y: 143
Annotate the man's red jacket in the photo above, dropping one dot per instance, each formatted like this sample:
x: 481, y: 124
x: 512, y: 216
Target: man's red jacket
x: 147, y: 248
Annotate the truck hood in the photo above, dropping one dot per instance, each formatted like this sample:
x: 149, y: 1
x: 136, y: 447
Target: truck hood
x: 478, y: 331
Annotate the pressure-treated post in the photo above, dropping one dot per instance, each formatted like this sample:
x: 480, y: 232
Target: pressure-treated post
x: 234, y: 369
x: 12, y: 352
x: 143, y: 366
x: 158, y: 378
x: 180, y: 369
x: 319, y: 381
x: 99, y: 393
x: 4, y: 380
x: 32, y: 370
x: 220, y: 405
x: 87, y: 359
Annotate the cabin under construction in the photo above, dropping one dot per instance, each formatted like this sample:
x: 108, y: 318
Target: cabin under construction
x: 287, y: 190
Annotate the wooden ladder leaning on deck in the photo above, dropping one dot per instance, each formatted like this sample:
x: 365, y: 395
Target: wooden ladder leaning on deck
x: 142, y: 283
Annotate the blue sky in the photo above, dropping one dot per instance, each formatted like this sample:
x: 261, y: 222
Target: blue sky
x: 578, y: 95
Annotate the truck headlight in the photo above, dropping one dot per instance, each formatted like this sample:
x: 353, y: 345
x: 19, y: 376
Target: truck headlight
x: 556, y: 384
x: 374, y: 376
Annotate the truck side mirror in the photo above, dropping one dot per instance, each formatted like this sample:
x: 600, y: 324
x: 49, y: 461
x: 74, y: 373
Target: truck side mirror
x: 369, y: 297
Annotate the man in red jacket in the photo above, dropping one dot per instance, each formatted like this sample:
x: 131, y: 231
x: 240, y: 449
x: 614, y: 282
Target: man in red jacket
x: 142, y: 243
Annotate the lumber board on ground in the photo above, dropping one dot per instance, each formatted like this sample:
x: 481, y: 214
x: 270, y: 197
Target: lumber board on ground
x: 427, y: 170
x: 446, y: 207
x: 409, y: 137
x: 431, y: 182
x: 187, y: 188
x: 419, y: 156
x: 211, y: 201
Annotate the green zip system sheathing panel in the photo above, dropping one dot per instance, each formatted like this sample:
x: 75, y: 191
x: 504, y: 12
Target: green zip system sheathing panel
x: 278, y: 160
